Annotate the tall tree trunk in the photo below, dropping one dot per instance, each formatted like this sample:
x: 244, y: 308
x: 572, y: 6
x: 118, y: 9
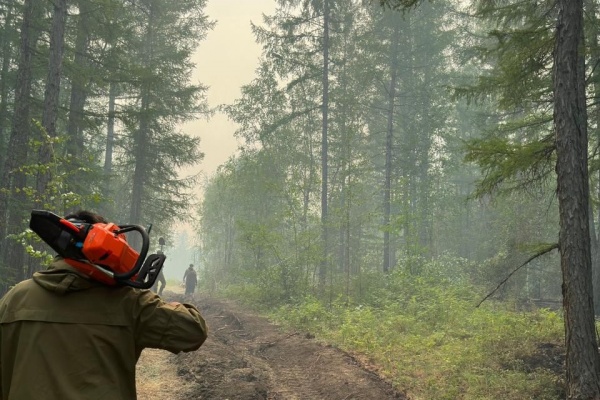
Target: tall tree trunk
x: 411, y: 139
x: 110, y: 129
x: 4, y: 79
x: 50, y: 111
x: 389, y: 140
x: 324, y: 146
x: 143, y: 134
x: 307, y: 190
x: 139, y: 176
x: 308, y: 182
x: 229, y: 243
x: 110, y: 139
x: 425, y: 242
x: 346, y: 152
x: 424, y: 144
x: 78, y: 85
x: 76, y: 180
x: 570, y: 120
x: 12, y: 198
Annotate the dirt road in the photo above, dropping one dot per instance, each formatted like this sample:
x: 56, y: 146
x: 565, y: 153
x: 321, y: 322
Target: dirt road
x: 246, y: 357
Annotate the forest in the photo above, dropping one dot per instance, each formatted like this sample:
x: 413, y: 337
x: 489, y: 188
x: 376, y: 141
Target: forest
x: 417, y: 181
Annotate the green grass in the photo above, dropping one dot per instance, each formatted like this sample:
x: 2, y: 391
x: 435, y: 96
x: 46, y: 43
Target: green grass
x: 426, y: 335
x: 467, y: 353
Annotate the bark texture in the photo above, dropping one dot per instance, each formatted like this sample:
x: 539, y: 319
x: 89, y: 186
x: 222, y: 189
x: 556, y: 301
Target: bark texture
x: 570, y: 118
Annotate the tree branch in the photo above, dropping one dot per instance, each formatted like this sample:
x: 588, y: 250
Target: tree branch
x: 545, y: 250
x: 399, y: 4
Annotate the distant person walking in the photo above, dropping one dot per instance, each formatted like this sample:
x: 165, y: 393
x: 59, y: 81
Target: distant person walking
x: 190, y: 279
x: 161, y: 279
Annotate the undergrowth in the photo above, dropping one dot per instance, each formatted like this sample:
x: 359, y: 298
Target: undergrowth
x: 426, y: 335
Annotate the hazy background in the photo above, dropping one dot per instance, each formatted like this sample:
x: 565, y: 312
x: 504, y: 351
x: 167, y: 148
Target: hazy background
x: 225, y: 61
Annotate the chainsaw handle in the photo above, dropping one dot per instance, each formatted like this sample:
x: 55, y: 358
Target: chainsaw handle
x: 149, y: 272
x: 142, y: 256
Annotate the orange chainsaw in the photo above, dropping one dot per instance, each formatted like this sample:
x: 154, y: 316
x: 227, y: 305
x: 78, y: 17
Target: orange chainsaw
x: 99, y: 250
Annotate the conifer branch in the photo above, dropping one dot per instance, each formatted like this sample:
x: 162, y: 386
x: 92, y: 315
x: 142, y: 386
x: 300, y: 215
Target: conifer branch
x: 543, y: 251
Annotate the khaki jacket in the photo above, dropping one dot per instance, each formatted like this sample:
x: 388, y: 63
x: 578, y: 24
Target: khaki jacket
x: 65, y: 337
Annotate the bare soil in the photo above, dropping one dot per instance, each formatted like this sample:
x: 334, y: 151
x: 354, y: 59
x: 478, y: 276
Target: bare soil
x: 247, y: 357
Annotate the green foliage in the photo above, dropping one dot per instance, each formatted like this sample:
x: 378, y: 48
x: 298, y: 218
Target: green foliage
x: 428, y: 338
x: 310, y: 315
x: 162, y: 97
x: 138, y: 53
x: 57, y: 198
x: 28, y: 236
x: 513, y: 47
x: 425, y: 333
x: 63, y: 167
x: 514, y: 165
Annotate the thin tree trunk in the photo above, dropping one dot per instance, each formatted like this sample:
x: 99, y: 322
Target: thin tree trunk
x: 110, y: 139
x: 12, y: 198
x: 78, y: 86
x: 230, y: 238
x: 424, y: 143
x: 50, y: 111
x: 324, y: 145
x: 389, y: 139
x: 142, y: 136
x: 307, y: 188
x: 425, y: 228
x: 140, y: 162
x: 344, y: 171
x: 110, y: 129
x: 6, y: 61
x: 570, y: 120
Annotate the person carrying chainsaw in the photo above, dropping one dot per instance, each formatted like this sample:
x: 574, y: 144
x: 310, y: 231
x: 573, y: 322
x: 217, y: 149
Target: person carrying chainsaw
x: 76, y: 330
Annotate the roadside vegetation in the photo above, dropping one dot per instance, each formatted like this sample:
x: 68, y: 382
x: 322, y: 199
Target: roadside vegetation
x: 425, y: 334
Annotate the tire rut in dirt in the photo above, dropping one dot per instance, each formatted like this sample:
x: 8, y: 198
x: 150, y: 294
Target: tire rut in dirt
x: 247, y: 357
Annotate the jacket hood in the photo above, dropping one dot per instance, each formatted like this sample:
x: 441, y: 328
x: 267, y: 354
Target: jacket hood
x: 62, y: 278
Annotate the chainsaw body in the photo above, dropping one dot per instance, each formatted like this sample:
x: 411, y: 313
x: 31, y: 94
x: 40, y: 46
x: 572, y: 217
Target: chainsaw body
x: 99, y: 250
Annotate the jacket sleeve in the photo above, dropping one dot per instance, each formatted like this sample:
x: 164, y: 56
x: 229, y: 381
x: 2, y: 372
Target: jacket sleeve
x: 168, y: 326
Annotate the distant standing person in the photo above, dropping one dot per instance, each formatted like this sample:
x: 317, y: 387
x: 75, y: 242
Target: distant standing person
x: 190, y: 279
x: 161, y: 279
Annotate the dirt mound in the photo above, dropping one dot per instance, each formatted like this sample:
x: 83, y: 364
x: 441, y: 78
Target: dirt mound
x: 247, y: 357
x: 157, y: 377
